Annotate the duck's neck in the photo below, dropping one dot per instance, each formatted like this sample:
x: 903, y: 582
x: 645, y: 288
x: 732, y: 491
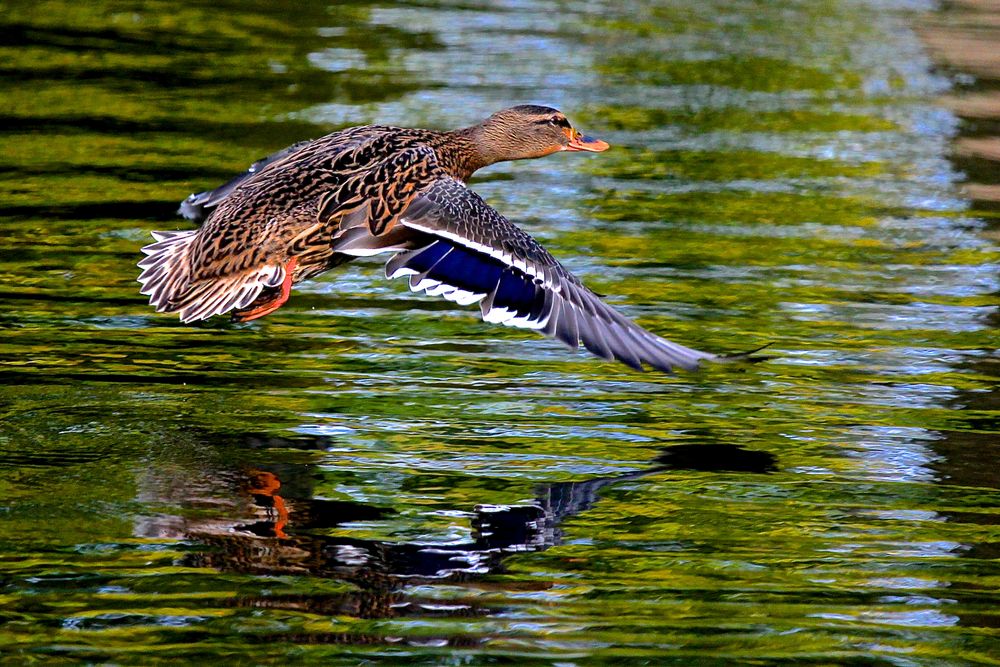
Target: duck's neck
x: 465, y: 151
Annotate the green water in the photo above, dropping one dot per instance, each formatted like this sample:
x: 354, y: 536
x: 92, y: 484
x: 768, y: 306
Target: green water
x: 458, y: 493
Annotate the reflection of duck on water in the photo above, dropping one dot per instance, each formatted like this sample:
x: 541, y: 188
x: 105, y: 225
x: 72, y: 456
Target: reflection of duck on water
x: 287, y: 537
x: 376, y: 189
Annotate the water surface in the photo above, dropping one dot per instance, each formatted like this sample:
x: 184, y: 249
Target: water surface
x: 373, y: 475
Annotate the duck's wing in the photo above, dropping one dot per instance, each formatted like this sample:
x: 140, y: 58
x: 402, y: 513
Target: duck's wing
x: 199, y: 206
x: 467, y: 252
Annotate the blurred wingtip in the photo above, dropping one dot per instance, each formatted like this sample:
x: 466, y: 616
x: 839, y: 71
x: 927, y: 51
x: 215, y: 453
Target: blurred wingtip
x: 192, y: 208
x: 749, y: 356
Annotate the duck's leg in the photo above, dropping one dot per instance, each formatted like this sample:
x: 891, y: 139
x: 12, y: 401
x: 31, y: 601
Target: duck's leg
x: 268, y: 302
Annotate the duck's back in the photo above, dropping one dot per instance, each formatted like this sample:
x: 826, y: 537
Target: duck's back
x: 286, y: 166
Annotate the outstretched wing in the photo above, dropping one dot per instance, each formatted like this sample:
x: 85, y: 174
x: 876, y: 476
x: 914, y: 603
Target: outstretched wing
x: 467, y: 252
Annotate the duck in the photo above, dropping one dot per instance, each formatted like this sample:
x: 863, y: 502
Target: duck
x: 379, y: 189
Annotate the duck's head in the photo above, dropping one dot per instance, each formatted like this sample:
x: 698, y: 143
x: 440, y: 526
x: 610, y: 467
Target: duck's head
x: 530, y: 131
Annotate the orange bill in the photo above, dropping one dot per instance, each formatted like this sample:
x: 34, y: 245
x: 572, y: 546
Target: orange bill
x: 580, y: 142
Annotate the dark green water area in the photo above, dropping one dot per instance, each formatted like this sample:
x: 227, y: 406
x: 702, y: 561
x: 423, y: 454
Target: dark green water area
x: 374, y: 476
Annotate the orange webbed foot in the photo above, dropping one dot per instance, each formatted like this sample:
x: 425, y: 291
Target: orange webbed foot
x: 267, y: 303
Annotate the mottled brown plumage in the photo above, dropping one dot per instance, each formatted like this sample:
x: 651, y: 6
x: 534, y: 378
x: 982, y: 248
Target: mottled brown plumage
x: 373, y: 189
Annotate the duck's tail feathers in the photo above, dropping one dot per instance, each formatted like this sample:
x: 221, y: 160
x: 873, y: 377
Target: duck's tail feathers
x: 165, y: 269
x: 166, y: 278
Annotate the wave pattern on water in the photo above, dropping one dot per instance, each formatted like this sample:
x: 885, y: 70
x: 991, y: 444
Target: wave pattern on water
x: 369, y: 474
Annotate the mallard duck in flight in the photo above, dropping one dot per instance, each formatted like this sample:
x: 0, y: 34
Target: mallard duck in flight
x: 379, y: 189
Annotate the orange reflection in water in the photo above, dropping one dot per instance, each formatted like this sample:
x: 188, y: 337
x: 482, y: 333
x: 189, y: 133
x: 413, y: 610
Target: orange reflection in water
x: 265, y: 486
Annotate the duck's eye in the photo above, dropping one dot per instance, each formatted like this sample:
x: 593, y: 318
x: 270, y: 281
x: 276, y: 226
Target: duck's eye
x: 558, y: 121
